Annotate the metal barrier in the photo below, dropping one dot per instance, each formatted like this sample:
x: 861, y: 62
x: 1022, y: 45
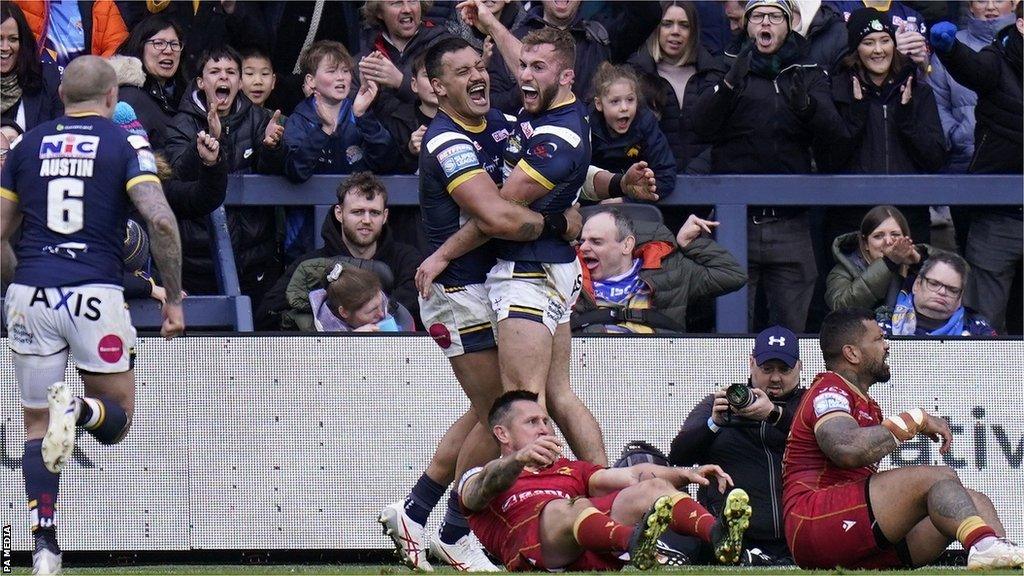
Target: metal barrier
x: 729, y: 194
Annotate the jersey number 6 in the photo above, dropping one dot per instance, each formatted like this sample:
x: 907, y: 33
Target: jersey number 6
x: 64, y: 205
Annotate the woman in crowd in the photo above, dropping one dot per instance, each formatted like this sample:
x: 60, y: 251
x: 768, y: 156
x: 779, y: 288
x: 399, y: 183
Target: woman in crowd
x: 155, y: 95
x: 28, y: 89
x: 353, y: 302
x: 873, y: 263
x: 668, y: 64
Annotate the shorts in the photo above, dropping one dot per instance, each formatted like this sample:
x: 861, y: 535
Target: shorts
x: 835, y: 527
x: 459, y: 318
x: 530, y: 558
x: 536, y: 291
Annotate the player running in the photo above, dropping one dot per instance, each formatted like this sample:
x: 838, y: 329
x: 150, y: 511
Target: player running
x: 69, y: 183
x: 537, y: 510
x: 840, y: 510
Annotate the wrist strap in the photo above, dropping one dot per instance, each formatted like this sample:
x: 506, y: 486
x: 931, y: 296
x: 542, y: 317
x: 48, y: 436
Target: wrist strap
x: 615, y: 187
x: 906, y: 425
x: 775, y: 416
x: 712, y: 426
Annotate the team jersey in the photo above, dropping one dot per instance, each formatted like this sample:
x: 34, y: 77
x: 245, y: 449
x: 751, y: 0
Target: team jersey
x: 804, y: 466
x: 70, y: 177
x: 553, y: 147
x: 453, y: 153
x: 498, y: 525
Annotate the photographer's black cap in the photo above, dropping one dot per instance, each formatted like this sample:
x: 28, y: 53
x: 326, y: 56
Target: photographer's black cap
x: 776, y: 343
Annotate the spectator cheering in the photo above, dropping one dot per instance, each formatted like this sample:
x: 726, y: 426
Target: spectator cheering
x: 258, y: 78
x: 872, y: 264
x: 636, y: 281
x: 28, y: 89
x: 748, y: 442
x: 933, y: 305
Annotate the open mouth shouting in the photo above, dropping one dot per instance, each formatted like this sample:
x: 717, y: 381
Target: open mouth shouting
x: 765, y: 38
x: 166, y: 65
x: 478, y: 94
x: 531, y: 95
x: 221, y: 93
x: 622, y: 123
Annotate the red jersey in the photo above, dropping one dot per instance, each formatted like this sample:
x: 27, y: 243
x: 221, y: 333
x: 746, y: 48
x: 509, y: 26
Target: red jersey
x: 804, y: 466
x: 503, y: 526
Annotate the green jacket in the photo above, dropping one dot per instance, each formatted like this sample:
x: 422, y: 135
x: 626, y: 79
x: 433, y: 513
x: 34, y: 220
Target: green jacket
x: 307, y: 277
x: 854, y: 283
x: 675, y: 276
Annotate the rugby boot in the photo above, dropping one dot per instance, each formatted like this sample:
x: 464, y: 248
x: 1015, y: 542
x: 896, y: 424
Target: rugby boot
x: 466, y: 555
x: 727, y: 534
x: 407, y: 535
x: 643, y: 543
x: 1000, y: 554
x: 59, y: 441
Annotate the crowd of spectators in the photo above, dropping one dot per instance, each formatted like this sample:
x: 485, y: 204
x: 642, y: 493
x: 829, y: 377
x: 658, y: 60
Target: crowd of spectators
x: 293, y: 89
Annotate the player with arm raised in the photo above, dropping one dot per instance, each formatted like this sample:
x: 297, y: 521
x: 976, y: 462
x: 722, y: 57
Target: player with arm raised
x: 69, y: 184
x: 840, y: 510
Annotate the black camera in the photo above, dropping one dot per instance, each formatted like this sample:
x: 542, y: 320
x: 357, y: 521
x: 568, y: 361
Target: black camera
x: 739, y: 396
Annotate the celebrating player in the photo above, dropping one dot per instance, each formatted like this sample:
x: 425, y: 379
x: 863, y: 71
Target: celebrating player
x: 537, y: 510
x: 840, y: 511
x: 66, y: 184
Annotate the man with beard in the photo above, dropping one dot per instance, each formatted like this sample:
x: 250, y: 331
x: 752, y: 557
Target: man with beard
x: 839, y: 509
x: 355, y: 228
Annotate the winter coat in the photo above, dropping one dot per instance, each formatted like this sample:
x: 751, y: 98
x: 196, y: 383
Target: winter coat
x: 102, y: 24
x: 357, y: 143
x: 974, y: 324
x: 853, y: 283
x: 675, y: 122
x: 826, y: 38
x: 504, y: 94
x: 41, y: 104
x: 400, y: 123
x: 252, y: 229
x: 675, y: 276
x: 752, y: 456
x: 430, y: 33
x: 402, y: 259
x: 955, y: 102
x: 154, y: 106
x: 753, y: 130
x: 612, y: 35
x: 643, y: 141
x: 884, y: 136
x: 995, y: 76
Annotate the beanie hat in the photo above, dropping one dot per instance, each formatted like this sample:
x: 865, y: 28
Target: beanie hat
x: 866, y: 21
x: 784, y: 5
x: 124, y: 116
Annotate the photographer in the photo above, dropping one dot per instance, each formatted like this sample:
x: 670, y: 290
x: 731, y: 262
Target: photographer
x: 748, y: 442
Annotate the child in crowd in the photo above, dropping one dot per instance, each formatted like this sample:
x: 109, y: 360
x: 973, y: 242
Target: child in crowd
x: 407, y: 122
x: 623, y: 131
x: 258, y: 78
x: 352, y: 302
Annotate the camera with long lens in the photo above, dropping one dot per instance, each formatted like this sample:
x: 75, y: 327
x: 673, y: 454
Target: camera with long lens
x: 739, y: 395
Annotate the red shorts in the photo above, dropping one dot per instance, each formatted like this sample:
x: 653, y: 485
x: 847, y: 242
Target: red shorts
x: 530, y: 558
x: 835, y: 527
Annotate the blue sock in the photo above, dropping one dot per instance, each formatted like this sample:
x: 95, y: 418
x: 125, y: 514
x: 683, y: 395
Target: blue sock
x: 454, y: 525
x: 424, y: 496
x: 103, y: 418
x: 41, y: 487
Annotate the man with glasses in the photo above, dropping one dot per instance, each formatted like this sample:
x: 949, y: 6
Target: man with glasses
x: 748, y: 444
x: 934, y: 305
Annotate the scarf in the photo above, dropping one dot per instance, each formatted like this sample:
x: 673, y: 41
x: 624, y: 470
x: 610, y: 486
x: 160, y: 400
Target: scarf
x: 10, y: 92
x: 769, y: 65
x: 904, y: 319
x: 619, y: 289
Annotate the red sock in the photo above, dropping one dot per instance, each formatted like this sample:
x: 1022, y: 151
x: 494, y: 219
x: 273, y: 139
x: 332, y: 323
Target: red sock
x: 690, y: 518
x: 595, y: 530
x: 973, y: 529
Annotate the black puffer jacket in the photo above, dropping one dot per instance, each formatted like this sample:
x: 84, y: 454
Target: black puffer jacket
x: 676, y: 122
x: 994, y: 74
x: 884, y: 135
x: 753, y: 130
x: 155, y: 105
x: 644, y: 141
x: 612, y: 35
x: 826, y: 38
x: 252, y: 229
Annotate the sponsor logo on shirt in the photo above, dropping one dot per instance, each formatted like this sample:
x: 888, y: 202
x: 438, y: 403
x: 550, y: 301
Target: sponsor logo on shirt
x: 826, y: 402
x: 68, y: 146
x: 457, y: 158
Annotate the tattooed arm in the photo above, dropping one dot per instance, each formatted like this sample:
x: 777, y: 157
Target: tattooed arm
x: 499, y: 475
x: 165, y: 244
x: 849, y: 445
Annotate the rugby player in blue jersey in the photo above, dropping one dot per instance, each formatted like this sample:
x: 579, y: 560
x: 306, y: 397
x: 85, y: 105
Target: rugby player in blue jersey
x: 69, y: 184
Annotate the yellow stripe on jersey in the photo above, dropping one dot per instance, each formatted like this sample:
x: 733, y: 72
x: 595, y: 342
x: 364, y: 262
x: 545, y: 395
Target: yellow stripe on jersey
x: 140, y: 180
x: 535, y: 175
x: 8, y: 194
x: 475, y: 328
x: 527, y: 310
x: 460, y: 179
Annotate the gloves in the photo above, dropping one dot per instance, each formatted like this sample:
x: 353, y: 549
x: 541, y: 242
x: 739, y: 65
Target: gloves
x: 800, y: 101
x: 943, y: 35
x: 736, y: 77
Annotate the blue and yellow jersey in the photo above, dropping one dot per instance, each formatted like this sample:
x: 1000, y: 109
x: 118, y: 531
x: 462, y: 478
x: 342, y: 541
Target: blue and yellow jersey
x: 553, y: 147
x: 70, y: 178
x: 453, y: 153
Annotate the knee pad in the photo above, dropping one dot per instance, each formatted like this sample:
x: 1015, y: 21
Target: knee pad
x: 36, y: 373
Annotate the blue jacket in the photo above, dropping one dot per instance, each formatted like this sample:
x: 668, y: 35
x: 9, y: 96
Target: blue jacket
x: 357, y: 144
x: 956, y: 102
x: 643, y: 141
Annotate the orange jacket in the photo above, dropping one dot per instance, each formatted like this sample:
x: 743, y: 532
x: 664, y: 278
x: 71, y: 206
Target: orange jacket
x: 104, y: 36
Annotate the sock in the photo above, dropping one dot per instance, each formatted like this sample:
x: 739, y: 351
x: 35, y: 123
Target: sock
x: 41, y: 487
x: 690, y: 518
x: 972, y: 530
x: 424, y: 496
x: 454, y: 525
x: 103, y: 418
x: 595, y: 530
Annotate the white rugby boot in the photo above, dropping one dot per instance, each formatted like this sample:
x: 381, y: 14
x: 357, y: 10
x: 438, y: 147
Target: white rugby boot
x: 1000, y: 554
x: 466, y: 555
x: 407, y: 535
x: 59, y: 441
